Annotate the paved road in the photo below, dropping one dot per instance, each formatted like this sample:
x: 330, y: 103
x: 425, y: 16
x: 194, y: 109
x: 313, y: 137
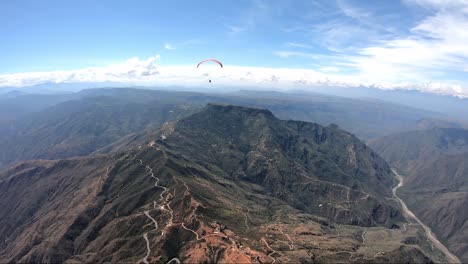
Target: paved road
x: 409, y: 214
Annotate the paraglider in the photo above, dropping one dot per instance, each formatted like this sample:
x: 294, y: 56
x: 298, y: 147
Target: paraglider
x: 212, y: 60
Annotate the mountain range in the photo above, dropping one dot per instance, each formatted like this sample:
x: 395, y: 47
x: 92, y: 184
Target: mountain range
x: 223, y: 184
x: 67, y: 125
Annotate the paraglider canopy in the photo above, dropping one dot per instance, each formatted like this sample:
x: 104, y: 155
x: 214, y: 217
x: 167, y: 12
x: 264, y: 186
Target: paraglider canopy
x: 213, y: 60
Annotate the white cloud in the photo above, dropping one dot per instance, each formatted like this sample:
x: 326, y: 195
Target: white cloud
x: 298, y: 45
x: 377, y: 49
x: 132, y: 69
x: 234, y: 30
x: 329, y: 69
x: 435, y: 47
x: 351, y: 11
x: 440, y: 3
x: 148, y: 72
x: 290, y: 54
x: 182, y: 44
x: 168, y: 46
x: 432, y: 51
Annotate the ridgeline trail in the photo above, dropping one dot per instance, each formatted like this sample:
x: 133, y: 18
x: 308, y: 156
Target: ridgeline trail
x: 165, y: 205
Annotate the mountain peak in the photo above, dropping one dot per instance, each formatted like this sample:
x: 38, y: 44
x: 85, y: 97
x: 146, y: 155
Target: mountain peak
x: 252, y: 145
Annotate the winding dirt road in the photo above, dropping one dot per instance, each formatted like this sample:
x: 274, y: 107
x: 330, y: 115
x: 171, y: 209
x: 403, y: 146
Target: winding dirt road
x: 162, y: 207
x: 174, y: 260
x: 148, y: 249
x: 409, y: 214
x: 272, y: 250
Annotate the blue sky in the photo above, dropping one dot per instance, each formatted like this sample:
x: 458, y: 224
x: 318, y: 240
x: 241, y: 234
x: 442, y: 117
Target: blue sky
x: 389, y: 43
x: 45, y: 35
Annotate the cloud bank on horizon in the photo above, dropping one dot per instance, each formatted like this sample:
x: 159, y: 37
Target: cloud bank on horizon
x: 146, y: 72
x: 412, y: 44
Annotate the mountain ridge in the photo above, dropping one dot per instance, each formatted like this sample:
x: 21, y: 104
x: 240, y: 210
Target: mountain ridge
x: 154, y: 200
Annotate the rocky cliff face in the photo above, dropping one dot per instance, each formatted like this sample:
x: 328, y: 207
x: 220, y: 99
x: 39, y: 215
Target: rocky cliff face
x: 227, y: 184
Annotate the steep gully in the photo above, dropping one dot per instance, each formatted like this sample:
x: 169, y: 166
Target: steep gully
x: 409, y: 214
